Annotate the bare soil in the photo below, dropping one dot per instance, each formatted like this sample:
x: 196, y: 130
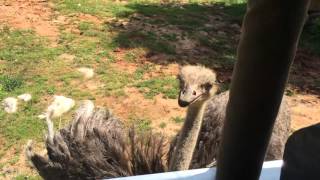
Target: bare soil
x: 29, y: 14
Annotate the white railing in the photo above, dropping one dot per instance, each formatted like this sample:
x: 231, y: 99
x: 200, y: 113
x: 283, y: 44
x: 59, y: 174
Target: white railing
x: 270, y: 171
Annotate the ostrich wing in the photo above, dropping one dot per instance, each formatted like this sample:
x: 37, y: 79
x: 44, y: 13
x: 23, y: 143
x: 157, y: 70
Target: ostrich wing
x: 97, y: 145
x: 92, y: 146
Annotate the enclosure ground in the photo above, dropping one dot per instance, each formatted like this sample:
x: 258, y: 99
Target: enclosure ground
x: 135, y: 49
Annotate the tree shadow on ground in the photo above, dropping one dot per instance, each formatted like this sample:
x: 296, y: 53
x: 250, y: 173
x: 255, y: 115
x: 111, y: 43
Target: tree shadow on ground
x: 190, y: 33
x: 206, y: 34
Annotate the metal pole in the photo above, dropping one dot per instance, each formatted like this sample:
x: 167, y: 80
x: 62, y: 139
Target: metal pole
x: 270, y: 33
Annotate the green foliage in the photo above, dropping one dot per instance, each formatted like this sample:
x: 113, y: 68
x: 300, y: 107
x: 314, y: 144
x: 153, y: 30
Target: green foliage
x: 10, y: 83
x: 168, y: 86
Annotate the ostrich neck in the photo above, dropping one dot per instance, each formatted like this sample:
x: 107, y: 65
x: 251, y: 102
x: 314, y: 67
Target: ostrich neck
x: 188, y: 138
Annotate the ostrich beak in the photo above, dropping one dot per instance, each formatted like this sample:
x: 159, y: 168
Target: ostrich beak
x: 187, y: 96
x: 182, y: 103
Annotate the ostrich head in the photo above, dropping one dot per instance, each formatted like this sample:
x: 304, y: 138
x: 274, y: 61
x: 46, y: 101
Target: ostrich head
x: 197, y: 85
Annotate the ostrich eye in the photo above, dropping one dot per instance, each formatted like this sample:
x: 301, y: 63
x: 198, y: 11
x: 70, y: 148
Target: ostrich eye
x: 207, y: 86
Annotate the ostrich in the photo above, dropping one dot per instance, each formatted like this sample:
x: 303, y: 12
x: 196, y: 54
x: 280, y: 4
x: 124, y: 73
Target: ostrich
x: 58, y: 107
x: 97, y: 145
x: 213, y: 119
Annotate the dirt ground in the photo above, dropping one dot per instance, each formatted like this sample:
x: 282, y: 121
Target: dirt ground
x: 39, y: 16
x: 29, y: 14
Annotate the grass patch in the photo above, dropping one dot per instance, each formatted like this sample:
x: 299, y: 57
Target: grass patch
x: 93, y: 7
x: 51, y: 90
x: 162, y: 125
x: 10, y: 83
x: 85, y: 26
x: 177, y: 119
x: 142, y: 124
x: 85, y: 51
x: 22, y: 125
x: 14, y: 160
x: 27, y: 177
x: 89, y: 29
x: 140, y: 71
x: 23, y: 46
x: 89, y: 48
x: 78, y: 94
x: 67, y: 78
x: 130, y: 57
x: 137, y: 39
x: 168, y: 86
x: 114, y: 81
x: 187, y: 17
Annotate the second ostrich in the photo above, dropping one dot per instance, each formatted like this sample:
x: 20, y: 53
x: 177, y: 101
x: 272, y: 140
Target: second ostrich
x: 213, y: 119
x: 96, y: 144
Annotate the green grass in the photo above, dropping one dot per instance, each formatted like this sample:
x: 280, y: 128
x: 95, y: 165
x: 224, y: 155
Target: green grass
x: 142, y: 124
x: 25, y: 58
x: 22, y: 125
x: 27, y: 177
x: 51, y: 90
x: 24, y: 47
x: 130, y: 57
x: 114, y: 81
x: 14, y: 160
x: 85, y: 26
x: 140, y: 71
x: 102, y: 8
x: 68, y: 77
x: 79, y: 94
x: 10, y: 83
x: 190, y: 18
x: 91, y: 46
x: 177, y: 119
x: 167, y: 86
x: 162, y: 125
x: 136, y: 39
